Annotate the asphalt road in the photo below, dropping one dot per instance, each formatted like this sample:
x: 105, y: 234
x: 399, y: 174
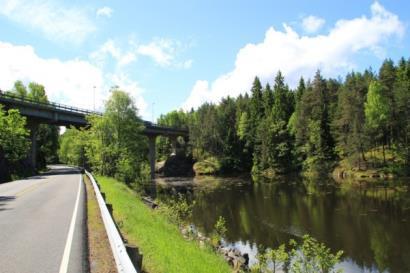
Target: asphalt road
x: 42, y: 224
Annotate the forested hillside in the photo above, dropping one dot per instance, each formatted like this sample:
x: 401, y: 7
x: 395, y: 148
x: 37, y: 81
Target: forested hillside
x: 359, y: 123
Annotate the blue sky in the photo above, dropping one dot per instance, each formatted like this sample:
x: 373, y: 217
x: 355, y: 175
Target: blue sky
x: 178, y: 54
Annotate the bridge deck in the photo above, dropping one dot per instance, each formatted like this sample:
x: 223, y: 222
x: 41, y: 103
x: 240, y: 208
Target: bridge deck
x: 64, y: 115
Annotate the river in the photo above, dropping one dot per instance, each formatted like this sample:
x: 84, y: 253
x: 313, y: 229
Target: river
x: 369, y: 222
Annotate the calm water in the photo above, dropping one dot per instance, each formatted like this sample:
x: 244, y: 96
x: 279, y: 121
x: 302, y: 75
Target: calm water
x: 371, y: 224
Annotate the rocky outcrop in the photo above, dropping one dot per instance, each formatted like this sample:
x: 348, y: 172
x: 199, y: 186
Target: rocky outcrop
x: 178, y: 165
x: 238, y: 261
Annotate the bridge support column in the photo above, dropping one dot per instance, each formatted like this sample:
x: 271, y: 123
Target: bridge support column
x: 173, y: 141
x: 33, y: 127
x: 151, y: 155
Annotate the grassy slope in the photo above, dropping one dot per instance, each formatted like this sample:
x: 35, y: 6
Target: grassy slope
x: 161, y: 243
x: 374, y: 167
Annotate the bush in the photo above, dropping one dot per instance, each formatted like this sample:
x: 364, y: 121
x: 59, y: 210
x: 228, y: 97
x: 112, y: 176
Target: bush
x: 308, y: 257
x: 209, y: 166
x: 177, y: 210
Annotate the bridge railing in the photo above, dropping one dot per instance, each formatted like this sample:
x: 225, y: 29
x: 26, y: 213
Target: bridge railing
x: 52, y: 105
x: 155, y: 125
x: 59, y: 106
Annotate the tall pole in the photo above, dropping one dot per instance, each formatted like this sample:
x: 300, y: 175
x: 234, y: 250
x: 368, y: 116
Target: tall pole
x: 94, y: 97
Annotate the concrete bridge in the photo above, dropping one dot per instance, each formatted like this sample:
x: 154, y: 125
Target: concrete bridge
x: 64, y: 115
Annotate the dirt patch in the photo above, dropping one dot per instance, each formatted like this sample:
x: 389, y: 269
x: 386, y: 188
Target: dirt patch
x: 100, y: 255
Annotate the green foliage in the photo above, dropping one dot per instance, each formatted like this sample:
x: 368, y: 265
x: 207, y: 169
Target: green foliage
x: 220, y: 227
x: 178, y: 209
x: 243, y: 126
x: 309, y: 256
x: 113, y: 145
x: 349, y: 122
x: 273, y: 147
x: 313, y: 134
x: 73, y: 145
x: 19, y: 89
x: 313, y: 257
x: 14, y: 143
x: 376, y: 107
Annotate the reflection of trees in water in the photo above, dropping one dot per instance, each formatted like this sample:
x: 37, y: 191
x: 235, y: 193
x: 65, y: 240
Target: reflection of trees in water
x: 366, y: 222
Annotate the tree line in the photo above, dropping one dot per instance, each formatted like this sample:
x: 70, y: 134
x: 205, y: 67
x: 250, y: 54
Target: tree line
x: 362, y: 120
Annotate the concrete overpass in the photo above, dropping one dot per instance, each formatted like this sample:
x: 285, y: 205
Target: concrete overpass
x: 64, y: 115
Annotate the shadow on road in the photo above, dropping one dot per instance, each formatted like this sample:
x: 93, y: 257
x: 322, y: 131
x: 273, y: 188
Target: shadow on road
x: 61, y: 171
x: 4, y: 200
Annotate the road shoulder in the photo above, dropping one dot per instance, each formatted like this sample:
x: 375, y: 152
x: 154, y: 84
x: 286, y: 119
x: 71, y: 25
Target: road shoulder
x: 99, y: 250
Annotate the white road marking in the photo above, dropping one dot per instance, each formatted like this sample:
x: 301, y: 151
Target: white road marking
x: 67, y: 249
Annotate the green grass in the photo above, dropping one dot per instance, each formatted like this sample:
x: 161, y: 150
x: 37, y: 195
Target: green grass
x: 163, y: 247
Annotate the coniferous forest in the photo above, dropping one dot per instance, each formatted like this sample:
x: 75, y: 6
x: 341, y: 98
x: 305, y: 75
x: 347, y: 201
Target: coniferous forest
x: 356, y: 124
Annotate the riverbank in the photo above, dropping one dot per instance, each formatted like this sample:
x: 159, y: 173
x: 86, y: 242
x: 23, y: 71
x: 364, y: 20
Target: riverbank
x: 376, y: 167
x: 163, y: 247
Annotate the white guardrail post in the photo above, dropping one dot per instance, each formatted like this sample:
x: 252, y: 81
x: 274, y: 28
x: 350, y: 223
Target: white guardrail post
x: 122, y: 260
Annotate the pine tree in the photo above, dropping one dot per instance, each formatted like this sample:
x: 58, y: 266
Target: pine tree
x: 319, y: 143
x: 268, y: 100
x: 402, y: 97
x: 300, y: 90
x: 273, y: 147
x: 387, y: 78
x: 348, y: 125
x: 257, y: 109
x: 283, y: 104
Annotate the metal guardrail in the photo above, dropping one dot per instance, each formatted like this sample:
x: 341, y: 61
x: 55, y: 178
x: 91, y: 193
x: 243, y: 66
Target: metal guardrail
x: 122, y: 260
x: 52, y: 105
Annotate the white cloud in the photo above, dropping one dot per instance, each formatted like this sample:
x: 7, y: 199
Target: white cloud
x: 56, y: 22
x: 70, y: 82
x: 105, y: 11
x: 110, y: 48
x: 312, y: 24
x: 164, y: 52
x: 297, y: 55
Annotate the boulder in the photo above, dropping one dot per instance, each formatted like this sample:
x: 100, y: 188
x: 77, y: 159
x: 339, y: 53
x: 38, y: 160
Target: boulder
x: 178, y: 165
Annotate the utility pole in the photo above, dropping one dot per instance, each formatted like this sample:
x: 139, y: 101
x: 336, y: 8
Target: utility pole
x: 94, y: 97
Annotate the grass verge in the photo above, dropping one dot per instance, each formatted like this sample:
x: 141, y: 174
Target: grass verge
x: 163, y: 247
x: 100, y: 255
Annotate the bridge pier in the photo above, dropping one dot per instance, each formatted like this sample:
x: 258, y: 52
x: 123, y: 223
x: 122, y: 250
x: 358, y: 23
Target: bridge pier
x: 33, y: 127
x: 174, y: 140
x: 152, y: 154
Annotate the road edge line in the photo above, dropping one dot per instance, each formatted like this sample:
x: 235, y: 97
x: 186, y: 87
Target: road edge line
x: 67, y: 249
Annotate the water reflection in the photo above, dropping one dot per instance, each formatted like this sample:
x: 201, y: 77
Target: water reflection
x: 370, y: 223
